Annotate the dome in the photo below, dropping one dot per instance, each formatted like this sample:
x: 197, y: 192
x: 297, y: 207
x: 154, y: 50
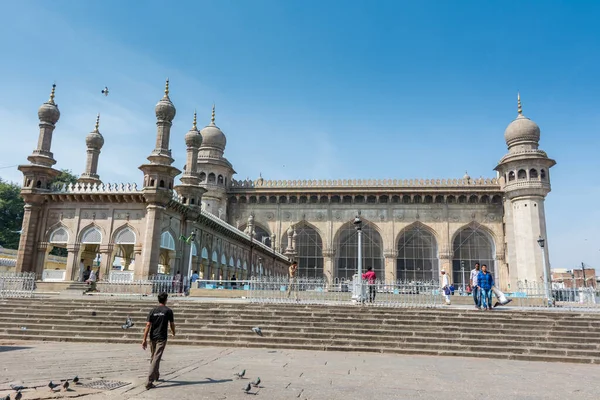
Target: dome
x: 165, y: 110
x: 48, y: 112
x: 520, y: 130
x: 193, y: 137
x: 212, y: 136
x: 95, y: 139
x: 466, y: 177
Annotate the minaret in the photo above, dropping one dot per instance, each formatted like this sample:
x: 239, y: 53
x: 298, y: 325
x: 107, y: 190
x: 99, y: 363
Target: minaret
x: 190, y: 188
x: 94, y: 142
x: 159, y: 174
x: 215, y: 171
x: 39, y: 172
x: 158, y: 184
x: 525, y: 176
x: 37, y: 178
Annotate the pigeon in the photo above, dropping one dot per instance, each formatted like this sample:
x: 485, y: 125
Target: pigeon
x: 17, y: 387
x: 65, y: 386
x: 248, y: 388
x: 257, y: 330
x: 240, y: 374
x: 76, y: 380
x: 7, y: 397
x: 128, y: 323
x: 52, y: 385
x: 93, y: 313
x: 256, y: 382
x: 105, y: 91
x: 19, y: 395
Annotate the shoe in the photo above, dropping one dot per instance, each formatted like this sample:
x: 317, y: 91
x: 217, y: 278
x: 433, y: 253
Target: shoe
x: 497, y: 304
x: 150, y: 385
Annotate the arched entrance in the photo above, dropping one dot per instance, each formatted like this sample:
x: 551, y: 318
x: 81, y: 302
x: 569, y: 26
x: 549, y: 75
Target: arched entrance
x: 347, y: 250
x: 167, y: 253
x: 417, y: 255
x: 309, y: 249
x: 471, y: 245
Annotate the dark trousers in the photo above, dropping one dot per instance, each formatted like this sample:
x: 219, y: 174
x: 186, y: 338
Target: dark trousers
x: 156, y: 349
x: 372, y: 292
x: 476, y: 296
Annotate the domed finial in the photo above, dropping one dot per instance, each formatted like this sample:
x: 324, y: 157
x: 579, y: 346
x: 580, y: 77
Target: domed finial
x: 212, y: 119
x: 519, y: 108
x: 167, y: 88
x: 51, y: 101
x: 97, y: 127
x: 194, y: 126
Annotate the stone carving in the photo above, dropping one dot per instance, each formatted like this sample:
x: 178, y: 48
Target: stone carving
x: 270, y: 216
x: 366, y: 182
x: 95, y: 188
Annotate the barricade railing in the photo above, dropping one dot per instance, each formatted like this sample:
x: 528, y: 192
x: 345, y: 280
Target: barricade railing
x: 344, y: 292
x: 221, y: 284
x: 537, y: 294
x: 123, y: 285
x: 17, y: 284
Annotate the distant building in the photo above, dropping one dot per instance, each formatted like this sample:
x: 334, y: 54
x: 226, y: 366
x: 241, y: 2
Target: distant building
x: 569, y: 279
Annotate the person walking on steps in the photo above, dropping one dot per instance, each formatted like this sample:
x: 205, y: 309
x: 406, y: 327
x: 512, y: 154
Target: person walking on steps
x: 446, y: 287
x: 293, y: 285
x: 157, y: 326
x: 370, y: 277
x: 475, y: 290
x: 485, y: 280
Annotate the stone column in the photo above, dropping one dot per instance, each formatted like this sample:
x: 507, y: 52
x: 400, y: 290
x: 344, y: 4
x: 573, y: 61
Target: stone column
x: 27, y: 245
x: 137, y: 258
x: 390, y: 265
x: 446, y: 264
x: 328, y: 265
x: 151, y: 247
x: 73, y: 259
x: 106, y: 260
x: 42, y: 253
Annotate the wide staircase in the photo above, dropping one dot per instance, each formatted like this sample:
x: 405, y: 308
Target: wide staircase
x: 517, y: 335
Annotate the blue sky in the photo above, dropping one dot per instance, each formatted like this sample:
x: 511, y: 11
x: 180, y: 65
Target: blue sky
x: 318, y: 89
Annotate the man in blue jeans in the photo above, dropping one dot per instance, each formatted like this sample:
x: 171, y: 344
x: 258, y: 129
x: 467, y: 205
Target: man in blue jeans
x: 485, y: 281
x: 474, y: 288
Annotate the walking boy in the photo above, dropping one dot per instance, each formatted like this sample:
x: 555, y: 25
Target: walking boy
x: 485, y: 280
x: 476, y: 294
x: 158, y: 319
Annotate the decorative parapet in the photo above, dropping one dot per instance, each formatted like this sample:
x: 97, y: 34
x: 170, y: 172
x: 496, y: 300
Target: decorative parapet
x: 389, y: 183
x: 95, y: 188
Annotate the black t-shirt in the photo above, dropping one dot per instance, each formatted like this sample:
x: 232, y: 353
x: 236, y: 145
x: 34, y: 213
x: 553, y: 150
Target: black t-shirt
x: 160, y: 317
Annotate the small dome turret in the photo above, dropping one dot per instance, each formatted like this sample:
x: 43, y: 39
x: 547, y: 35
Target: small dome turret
x: 95, y: 139
x: 522, y: 129
x: 48, y: 112
x: 212, y: 136
x: 165, y: 110
x: 193, y: 137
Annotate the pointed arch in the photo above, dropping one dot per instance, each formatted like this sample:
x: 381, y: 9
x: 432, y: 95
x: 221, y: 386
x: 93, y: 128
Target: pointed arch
x: 215, y: 257
x: 417, y: 258
x: 194, y: 250
x: 167, y: 241
x: 346, y: 244
x: 473, y: 243
x: 125, y: 234
x: 262, y: 232
x: 58, y: 234
x: 91, y: 234
x: 309, y: 249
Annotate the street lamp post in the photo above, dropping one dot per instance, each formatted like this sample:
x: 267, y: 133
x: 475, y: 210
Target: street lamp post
x: 462, y: 268
x: 541, y: 241
x: 358, y: 227
x: 192, y: 238
x: 583, y: 273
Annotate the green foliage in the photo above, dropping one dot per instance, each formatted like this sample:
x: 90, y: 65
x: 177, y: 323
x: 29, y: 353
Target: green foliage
x: 11, y: 214
x: 65, y: 177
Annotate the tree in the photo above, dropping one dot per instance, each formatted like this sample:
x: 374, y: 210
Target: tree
x: 65, y: 177
x: 11, y: 214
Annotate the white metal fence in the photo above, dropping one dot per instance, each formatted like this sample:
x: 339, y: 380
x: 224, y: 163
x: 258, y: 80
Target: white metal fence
x: 343, y: 292
x: 534, y: 294
x: 17, y: 284
x: 124, y: 285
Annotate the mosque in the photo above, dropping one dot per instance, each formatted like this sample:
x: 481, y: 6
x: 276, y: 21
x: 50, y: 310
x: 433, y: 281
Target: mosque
x: 412, y: 228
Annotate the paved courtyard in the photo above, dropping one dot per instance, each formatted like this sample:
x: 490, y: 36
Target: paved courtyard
x: 208, y: 373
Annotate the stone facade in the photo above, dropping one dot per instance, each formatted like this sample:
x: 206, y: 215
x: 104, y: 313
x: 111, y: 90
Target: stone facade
x: 413, y: 228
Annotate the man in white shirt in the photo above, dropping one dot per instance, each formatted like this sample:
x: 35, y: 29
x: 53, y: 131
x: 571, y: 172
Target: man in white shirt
x: 474, y: 287
x: 446, y: 287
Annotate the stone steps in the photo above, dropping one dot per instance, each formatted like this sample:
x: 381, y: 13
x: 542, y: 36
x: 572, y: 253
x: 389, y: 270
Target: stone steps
x: 530, y: 335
